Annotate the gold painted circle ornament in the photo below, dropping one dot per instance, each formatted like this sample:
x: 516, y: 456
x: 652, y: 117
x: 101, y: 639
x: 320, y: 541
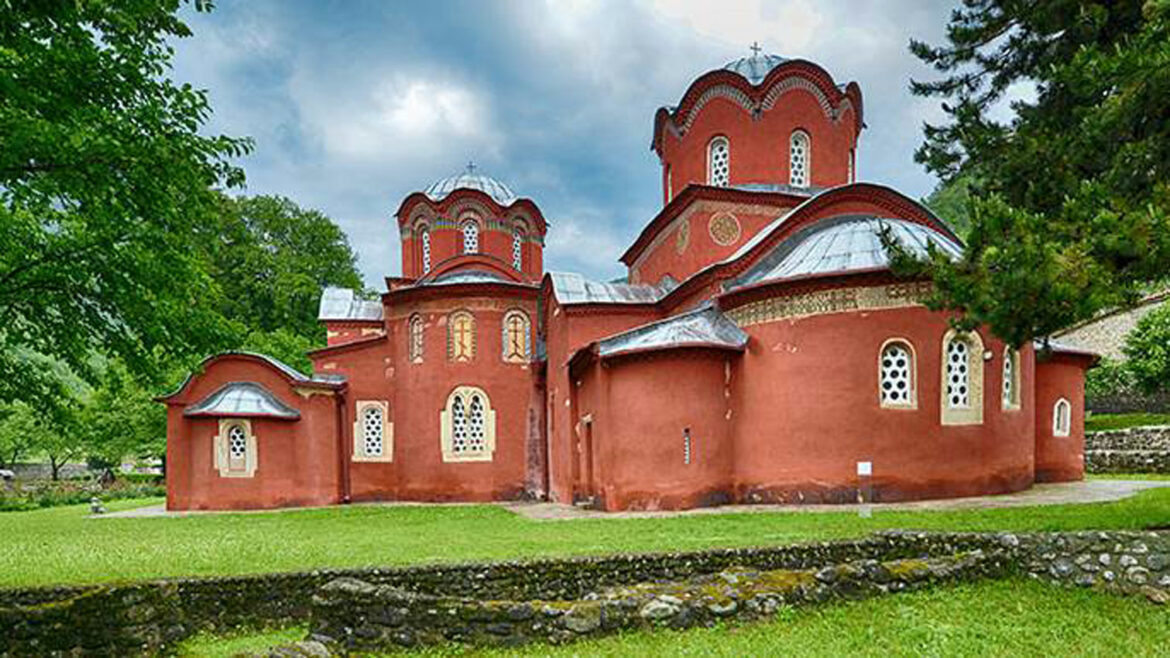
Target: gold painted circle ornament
x: 724, y: 229
x: 682, y: 236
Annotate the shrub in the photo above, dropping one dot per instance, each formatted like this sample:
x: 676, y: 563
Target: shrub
x: 46, y: 493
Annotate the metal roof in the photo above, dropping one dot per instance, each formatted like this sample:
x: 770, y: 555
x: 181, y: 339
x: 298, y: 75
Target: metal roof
x: 703, y: 327
x: 344, y: 304
x: 756, y: 67
x: 242, y: 399
x: 572, y: 288
x: 842, y: 244
x: 779, y: 187
x: 499, y: 192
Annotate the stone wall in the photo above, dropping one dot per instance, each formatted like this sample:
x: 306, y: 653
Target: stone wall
x: 354, y: 616
x: 148, y: 617
x: 1133, y: 450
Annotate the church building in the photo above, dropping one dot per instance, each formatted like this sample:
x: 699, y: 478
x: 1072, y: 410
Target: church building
x: 759, y: 349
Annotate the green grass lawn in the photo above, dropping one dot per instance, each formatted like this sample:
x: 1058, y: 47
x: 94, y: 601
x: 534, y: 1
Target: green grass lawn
x: 61, y: 545
x: 1101, y: 422
x: 994, y: 618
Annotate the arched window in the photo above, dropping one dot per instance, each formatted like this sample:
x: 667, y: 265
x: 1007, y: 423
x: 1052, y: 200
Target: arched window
x: 852, y: 165
x: 962, y: 379
x: 799, y: 159
x: 517, y: 249
x: 516, y: 342
x: 897, y: 376
x: 1061, y: 418
x: 1011, y: 378
x: 461, y: 336
x: 719, y: 162
x: 425, y: 239
x: 470, y: 236
x: 373, y: 433
x: 468, y: 426
x: 415, y: 338
x: 235, y: 448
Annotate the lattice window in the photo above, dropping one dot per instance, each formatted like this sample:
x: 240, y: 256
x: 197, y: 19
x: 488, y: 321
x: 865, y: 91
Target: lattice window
x: 799, y: 159
x: 515, y: 339
x: 458, y: 426
x: 475, y: 425
x: 461, y: 336
x: 517, y: 250
x: 237, y: 442
x: 468, y: 426
x: 470, y: 237
x: 372, y: 431
x: 1062, y: 418
x: 415, y: 338
x: 896, y: 375
x: 426, y: 251
x: 235, y: 448
x: 958, y: 357
x: 719, y: 162
x: 1011, y: 378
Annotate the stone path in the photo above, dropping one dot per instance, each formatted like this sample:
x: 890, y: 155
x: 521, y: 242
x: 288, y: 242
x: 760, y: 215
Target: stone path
x: 1088, y: 491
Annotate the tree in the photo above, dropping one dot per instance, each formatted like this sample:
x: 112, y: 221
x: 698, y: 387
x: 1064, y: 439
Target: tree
x: 1070, y: 212
x: 121, y: 419
x: 1147, y: 351
x: 19, y: 433
x: 951, y: 201
x: 105, y: 181
x: 271, y: 260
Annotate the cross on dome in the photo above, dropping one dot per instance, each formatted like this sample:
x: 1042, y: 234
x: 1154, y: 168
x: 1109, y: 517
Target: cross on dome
x: 471, y: 166
x: 755, y: 48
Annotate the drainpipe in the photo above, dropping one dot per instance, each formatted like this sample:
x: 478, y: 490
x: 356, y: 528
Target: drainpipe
x: 343, y: 443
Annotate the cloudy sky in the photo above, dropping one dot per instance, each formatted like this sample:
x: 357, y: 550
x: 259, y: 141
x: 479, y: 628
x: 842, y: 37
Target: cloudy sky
x: 354, y: 104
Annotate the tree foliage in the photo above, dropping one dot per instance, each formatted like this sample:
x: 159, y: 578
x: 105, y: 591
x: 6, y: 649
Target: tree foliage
x: 105, y: 180
x: 1071, y: 211
x: 1147, y: 351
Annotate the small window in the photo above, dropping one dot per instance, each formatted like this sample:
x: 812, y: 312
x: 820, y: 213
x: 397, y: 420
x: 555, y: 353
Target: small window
x: 415, y: 338
x: 515, y: 339
x: 1061, y: 418
x: 426, y: 251
x: 468, y: 426
x: 896, y: 374
x: 373, y: 434
x: 958, y: 374
x: 235, y: 448
x: 461, y: 336
x: 719, y: 162
x: 799, y: 159
x: 470, y: 237
x: 962, y: 378
x: 1011, y: 378
x: 517, y: 250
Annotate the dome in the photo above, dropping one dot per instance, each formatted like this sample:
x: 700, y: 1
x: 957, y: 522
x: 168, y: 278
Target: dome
x: 843, y: 244
x: 756, y: 67
x: 499, y: 192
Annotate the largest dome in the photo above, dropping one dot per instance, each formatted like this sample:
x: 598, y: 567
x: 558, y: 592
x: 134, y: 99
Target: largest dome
x: 756, y: 67
x: 499, y: 192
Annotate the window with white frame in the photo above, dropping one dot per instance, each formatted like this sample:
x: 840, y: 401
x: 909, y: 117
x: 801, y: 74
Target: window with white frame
x: 719, y: 162
x: 470, y: 236
x: 1061, y: 418
x: 896, y: 375
x: 799, y: 159
x: 1011, y: 378
x: 468, y: 426
x: 235, y: 448
x: 517, y: 249
x: 415, y: 338
x: 426, y: 251
x: 515, y: 340
x: 373, y: 433
x: 962, y: 378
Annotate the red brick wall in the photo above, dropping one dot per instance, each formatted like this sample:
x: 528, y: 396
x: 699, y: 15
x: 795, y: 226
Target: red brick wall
x: 1060, y: 458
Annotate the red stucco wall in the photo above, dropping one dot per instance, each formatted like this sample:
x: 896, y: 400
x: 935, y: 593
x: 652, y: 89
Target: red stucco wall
x: 297, y: 460
x: 1060, y: 458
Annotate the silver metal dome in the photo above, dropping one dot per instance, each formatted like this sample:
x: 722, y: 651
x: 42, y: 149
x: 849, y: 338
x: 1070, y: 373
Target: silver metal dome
x: 499, y: 192
x: 756, y: 67
x: 842, y: 244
